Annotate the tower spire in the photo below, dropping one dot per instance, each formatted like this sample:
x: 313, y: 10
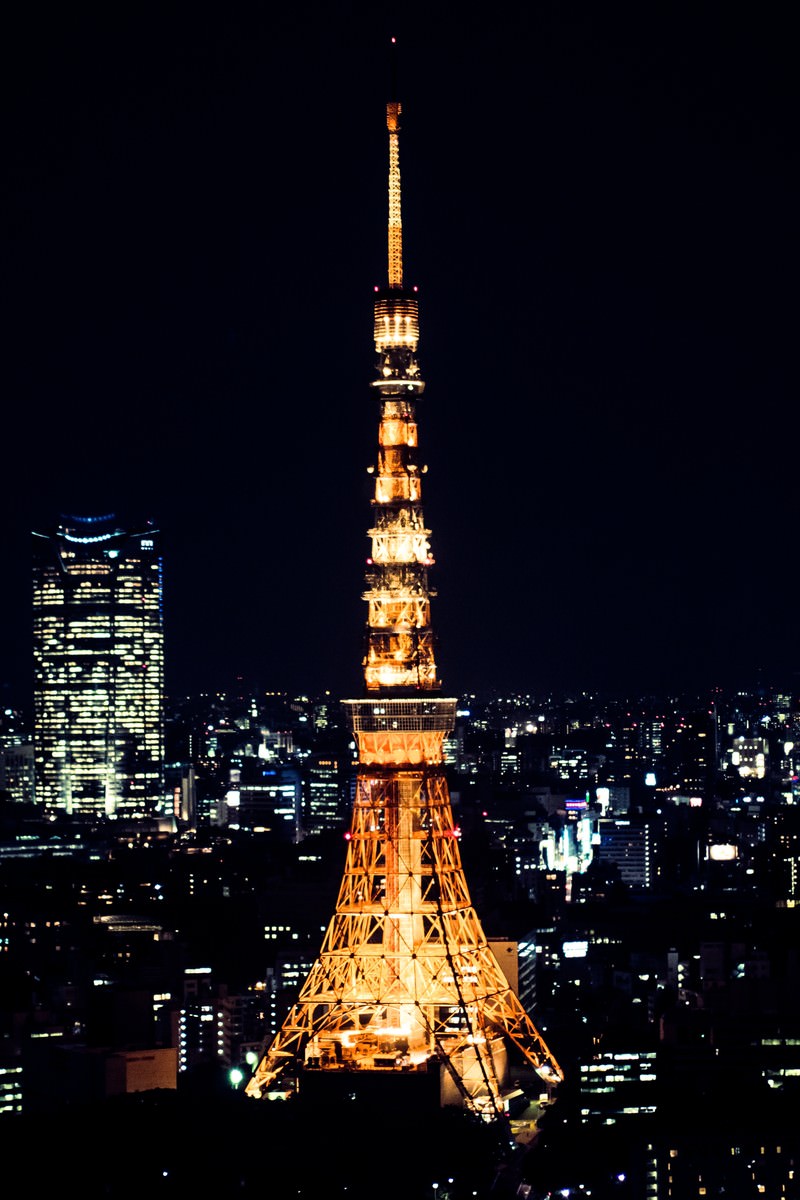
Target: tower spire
x: 393, y: 111
x: 406, y: 988
x: 400, y: 643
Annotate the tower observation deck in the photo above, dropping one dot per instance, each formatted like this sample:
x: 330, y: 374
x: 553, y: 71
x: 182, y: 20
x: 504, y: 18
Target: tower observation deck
x: 406, y: 983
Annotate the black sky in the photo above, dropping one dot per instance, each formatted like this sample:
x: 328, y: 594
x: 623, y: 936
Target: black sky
x: 600, y: 213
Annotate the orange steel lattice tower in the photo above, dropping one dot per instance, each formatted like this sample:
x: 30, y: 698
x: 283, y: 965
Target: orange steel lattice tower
x: 405, y: 980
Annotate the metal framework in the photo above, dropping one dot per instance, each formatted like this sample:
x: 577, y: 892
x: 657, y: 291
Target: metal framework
x: 405, y: 980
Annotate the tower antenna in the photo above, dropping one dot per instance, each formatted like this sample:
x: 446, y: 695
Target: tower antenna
x: 393, y: 111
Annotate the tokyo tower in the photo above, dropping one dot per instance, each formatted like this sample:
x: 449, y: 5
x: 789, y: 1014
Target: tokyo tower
x: 406, y: 985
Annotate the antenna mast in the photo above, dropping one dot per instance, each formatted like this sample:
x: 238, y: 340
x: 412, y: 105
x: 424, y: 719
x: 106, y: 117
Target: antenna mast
x: 393, y: 110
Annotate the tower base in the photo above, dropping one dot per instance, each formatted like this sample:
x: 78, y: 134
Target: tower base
x: 379, y: 1091
x: 427, y: 1089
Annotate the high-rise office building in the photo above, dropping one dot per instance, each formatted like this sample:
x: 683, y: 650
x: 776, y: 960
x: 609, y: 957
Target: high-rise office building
x: 98, y: 647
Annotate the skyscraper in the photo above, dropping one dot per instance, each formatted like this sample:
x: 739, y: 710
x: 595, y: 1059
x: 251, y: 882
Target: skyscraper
x: 406, y: 991
x: 98, y: 648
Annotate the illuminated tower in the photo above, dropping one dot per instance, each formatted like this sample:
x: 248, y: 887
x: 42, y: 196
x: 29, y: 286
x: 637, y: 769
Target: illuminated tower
x: 98, y: 669
x: 405, y: 982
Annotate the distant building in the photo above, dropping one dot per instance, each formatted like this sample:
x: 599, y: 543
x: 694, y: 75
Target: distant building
x: 16, y: 769
x: 58, y: 1075
x: 264, y: 798
x: 11, y: 1094
x: 618, y: 1084
x: 694, y: 752
x: 749, y: 756
x: 200, y: 1029
x: 326, y: 793
x: 98, y: 647
x: 627, y: 844
x: 526, y: 971
x: 243, y: 1018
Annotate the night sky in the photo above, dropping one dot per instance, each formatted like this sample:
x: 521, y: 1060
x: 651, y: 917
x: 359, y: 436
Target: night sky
x: 600, y: 215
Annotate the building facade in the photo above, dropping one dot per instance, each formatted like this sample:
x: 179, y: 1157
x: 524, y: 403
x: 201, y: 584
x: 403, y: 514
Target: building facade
x: 98, y: 648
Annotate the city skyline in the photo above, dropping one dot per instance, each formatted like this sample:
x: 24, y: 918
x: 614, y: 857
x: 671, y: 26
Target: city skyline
x: 597, y: 217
